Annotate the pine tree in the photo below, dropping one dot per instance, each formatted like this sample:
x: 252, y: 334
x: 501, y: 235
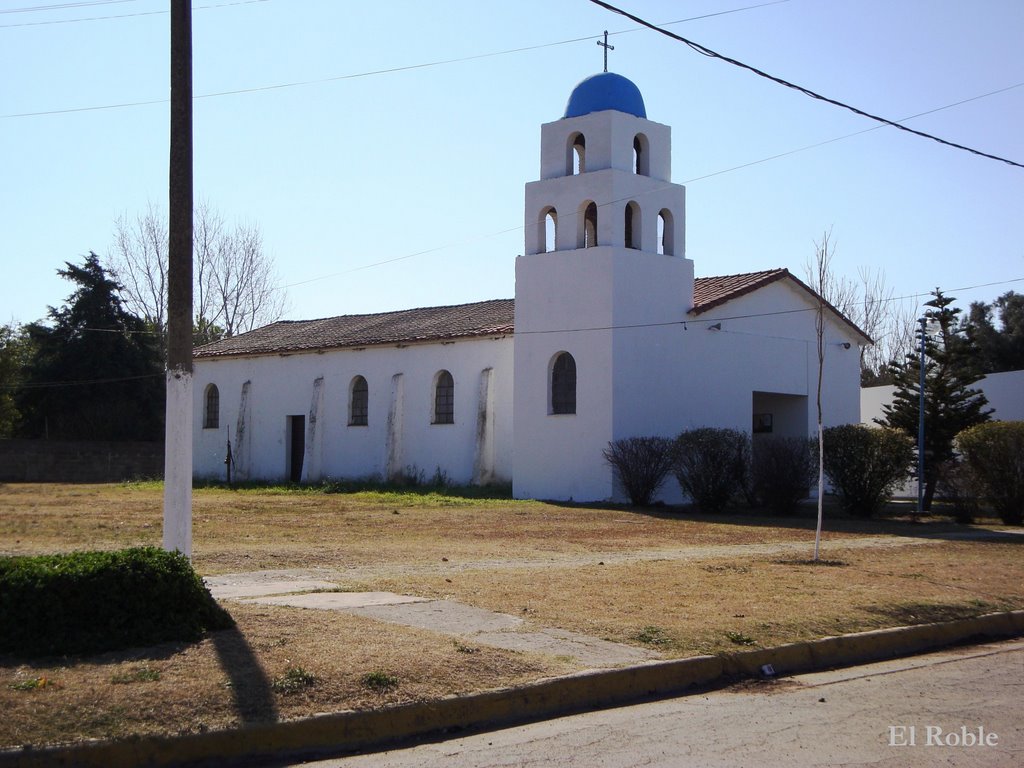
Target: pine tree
x: 95, y: 373
x: 950, y: 405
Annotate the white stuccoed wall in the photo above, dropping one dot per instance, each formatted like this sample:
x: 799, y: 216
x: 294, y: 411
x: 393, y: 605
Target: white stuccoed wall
x: 283, y: 385
x: 644, y: 366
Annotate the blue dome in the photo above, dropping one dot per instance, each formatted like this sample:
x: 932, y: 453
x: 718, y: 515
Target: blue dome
x: 605, y: 91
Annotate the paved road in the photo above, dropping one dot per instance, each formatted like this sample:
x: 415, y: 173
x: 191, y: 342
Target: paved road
x: 874, y: 715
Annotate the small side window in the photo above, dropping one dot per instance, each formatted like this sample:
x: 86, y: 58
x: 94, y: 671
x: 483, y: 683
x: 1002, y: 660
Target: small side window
x: 359, y: 402
x: 211, y: 407
x: 444, y: 399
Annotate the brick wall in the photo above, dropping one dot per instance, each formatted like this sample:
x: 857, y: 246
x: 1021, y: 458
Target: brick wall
x: 59, y: 461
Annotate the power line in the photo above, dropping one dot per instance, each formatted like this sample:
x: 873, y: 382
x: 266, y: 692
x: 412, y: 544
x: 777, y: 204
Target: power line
x: 123, y: 15
x: 80, y: 383
x: 800, y: 89
x: 757, y: 315
x: 850, y: 135
x: 684, y: 322
x: 64, y: 6
x: 658, y: 189
x: 356, y: 75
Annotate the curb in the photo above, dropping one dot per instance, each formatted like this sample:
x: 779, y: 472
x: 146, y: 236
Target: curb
x: 352, y: 731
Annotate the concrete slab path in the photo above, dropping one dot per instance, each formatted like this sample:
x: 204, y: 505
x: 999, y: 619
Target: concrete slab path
x: 448, y: 617
x: 318, y: 589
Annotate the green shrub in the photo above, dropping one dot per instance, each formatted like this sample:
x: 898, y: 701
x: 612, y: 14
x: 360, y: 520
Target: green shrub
x: 782, y: 471
x: 995, y: 454
x: 642, y: 464
x: 91, y: 602
x: 865, y: 465
x: 711, y: 465
x: 958, y: 486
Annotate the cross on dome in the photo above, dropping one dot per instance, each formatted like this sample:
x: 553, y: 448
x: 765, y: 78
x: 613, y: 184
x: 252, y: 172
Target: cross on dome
x: 606, y: 49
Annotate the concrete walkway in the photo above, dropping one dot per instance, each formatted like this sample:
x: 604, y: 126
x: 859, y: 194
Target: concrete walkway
x: 473, y: 625
x: 319, y: 589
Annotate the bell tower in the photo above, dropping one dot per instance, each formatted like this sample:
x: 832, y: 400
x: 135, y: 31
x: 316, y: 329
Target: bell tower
x: 602, y: 290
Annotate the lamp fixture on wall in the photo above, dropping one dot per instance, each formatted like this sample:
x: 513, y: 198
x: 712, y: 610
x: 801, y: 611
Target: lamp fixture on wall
x: 715, y: 327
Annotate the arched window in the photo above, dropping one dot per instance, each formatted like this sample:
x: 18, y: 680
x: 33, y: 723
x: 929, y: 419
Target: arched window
x: 586, y: 236
x: 576, y: 155
x: 444, y: 398
x: 358, y: 403
x: 211, y: 407
x: 665, y: 237
x: 563, y: 384
x: 641, y: 155
x: 548, y: 235
x: 632, y: 225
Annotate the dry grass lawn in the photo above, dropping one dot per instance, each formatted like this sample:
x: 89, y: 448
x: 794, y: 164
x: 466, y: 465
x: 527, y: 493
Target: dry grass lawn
x: 678, y: 583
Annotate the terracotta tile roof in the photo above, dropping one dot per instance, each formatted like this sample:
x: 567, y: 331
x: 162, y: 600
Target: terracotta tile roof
x: 710, y: 292
x: 484, y: 318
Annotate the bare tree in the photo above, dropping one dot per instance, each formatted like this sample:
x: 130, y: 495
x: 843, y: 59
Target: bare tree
x: 207, y: 233
x: 235, y: 284
x: 243, y: 283
x: 139, y: 259
x: 868, y: 303
x: 824, y: 281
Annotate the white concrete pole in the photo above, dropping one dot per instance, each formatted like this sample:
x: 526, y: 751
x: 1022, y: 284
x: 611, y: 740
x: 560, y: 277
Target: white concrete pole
x: 178, y: 463
x: 178, y: 425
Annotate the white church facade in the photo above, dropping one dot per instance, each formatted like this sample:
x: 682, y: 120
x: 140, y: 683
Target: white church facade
x: 609, y: 336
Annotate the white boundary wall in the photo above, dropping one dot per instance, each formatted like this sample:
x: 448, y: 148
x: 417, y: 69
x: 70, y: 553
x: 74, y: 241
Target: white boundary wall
x: 1005, y: 393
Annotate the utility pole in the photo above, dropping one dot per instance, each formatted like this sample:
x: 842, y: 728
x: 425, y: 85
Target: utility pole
x: 920, y: 422
x: 178, y: 425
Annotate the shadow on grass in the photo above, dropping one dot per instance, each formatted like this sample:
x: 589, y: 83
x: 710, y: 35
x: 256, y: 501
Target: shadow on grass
x: 412, y: 487
x: 896, y: 519
x: 911, y: 613
x: 250, y: 686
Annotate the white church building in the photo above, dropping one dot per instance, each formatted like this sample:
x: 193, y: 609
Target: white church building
x: 609, y: 336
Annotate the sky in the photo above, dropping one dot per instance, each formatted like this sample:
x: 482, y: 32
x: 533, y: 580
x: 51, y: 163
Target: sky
x: 382, y: 148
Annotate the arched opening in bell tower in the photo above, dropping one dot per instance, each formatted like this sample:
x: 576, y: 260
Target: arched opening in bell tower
x: 576, y: 155
x: 586, y: 235
x: 632, y: 225
x: 666, y: 243
x: 550, y: 230
x: 641, y: 155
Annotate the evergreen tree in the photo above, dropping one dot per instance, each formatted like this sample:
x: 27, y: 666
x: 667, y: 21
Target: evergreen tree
x: 995, y: 349
x: 96, y: 373
x: 1011, y: 332
x: 15, y: 353
x: 950, y: 405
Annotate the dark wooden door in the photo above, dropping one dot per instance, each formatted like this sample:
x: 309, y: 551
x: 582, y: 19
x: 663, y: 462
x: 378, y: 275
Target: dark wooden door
x: 297, y: 444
